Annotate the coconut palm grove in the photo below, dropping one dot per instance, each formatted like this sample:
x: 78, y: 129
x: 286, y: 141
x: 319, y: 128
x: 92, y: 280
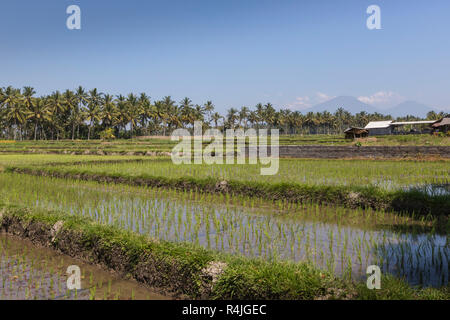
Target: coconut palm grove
x: 90, y: 114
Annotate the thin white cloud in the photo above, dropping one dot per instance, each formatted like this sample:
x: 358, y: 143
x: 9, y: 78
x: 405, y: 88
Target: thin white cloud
x: 305, y: 102
x: 300, y: 103
x: 323, y: 97
x: 382, y: 99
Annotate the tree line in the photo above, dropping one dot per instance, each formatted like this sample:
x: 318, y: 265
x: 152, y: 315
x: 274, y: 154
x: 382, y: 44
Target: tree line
x: 86, y: 114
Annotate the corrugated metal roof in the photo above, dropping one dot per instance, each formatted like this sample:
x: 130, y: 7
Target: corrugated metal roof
x: 400, y: 123
x: 378, y: 124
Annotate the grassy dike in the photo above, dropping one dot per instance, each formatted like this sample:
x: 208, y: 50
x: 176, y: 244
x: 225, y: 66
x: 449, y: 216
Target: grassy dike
x: 188, y: 271
x: 411, y: 201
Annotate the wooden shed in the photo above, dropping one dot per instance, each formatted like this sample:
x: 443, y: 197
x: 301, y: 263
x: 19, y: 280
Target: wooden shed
x: 354, y: 132
x: 442, y: 125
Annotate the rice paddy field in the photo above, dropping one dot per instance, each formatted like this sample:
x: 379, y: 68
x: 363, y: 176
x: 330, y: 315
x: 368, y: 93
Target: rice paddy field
x: 164, y: 144
x: 46, y: 159
x: 335, y: 238
x: 388, y: 175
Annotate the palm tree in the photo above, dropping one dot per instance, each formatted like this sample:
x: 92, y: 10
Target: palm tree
x: 187, y: 112
x: 215, y: 118
x: 259, y: 114
x: 38, y: 113
x: 57, y: 108
x: 27, y: 99
x: 133, y: 111
x: 269, y: 115
x: 28, y: 93
x: 242, y: 116
x: 165, y: 110
x: 199, y: 113
x: 311, y: 121
x: 77, y: 116
x: 284, y: 119
x: 253, y: 118
x: 161, y: 114
x: 145, y: 109
x: 298, y: 121
x: 432, y: 115
x: 69, y: 99
x: 326, y: 121
x: 208, y: 107
x: 109, y: 112
x: 123, y: 116
x: 93, y: 112
x: 15, y: 112
x: 231, y: 118
x: 362, y: 118
x: 174, y: 117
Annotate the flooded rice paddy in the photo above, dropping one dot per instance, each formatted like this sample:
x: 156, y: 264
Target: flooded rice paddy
x: 340, y: 240
x: 28, y: 272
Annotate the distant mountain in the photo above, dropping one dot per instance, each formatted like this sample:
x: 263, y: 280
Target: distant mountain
x: 409, y: 108
x: 351, y: 104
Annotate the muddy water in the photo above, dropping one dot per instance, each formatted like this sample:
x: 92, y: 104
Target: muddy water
x: 35, y: 273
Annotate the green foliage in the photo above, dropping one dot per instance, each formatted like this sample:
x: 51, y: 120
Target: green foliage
x: 107, y: 134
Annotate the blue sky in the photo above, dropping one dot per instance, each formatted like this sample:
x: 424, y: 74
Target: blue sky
x: 233, y: 52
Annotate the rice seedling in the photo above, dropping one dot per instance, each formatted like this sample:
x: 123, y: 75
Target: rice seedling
x: 384, y: 174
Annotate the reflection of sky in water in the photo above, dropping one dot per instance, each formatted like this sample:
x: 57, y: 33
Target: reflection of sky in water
x: 420, y: 259
x: 433, y: 189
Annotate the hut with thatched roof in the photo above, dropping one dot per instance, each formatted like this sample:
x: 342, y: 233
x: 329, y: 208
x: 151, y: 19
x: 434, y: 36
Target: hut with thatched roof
x: 354, y: 132
x: 442, y: 125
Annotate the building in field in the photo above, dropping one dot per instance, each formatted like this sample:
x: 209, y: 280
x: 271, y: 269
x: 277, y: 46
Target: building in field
x: 442, y: 125
x: 378, y: 128
x: 354, y: 132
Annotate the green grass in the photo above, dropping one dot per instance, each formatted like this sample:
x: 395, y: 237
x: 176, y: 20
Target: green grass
x: 384, y: 174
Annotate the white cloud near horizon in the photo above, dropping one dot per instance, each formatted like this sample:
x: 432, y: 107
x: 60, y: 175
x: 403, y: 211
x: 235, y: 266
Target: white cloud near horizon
x: 300, y: 103
x: 305, y: 102
x: 383, y: 99
x: 322, y: 97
